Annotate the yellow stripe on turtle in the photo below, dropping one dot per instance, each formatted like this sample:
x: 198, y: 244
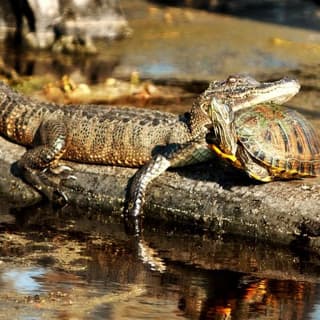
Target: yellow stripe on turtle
x: 223, y: 155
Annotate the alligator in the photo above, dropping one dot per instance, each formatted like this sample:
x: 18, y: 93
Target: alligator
x: 124, y: 136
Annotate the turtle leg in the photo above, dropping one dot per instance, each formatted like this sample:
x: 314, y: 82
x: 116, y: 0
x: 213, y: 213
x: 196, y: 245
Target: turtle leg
x: 258, y: 172
x: 254, y: 169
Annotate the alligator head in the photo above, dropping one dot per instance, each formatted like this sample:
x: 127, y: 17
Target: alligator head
x: 223, y: 98
x: 242, y: 91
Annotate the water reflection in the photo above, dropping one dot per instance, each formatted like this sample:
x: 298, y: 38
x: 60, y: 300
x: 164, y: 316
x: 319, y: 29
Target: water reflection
x: 66, y: 263
x: 22, y: 280
x: 44, y: 64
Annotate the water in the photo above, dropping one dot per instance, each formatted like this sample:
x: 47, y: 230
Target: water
x: 68, y: 264
x: 166, y: 43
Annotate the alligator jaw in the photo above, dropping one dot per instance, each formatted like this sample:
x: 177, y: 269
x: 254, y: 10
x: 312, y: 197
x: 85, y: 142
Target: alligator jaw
x: 274, y: 92
x: 241, y: 91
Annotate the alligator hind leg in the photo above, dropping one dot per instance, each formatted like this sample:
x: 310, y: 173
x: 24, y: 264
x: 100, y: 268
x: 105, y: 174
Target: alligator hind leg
x: 51, y: 144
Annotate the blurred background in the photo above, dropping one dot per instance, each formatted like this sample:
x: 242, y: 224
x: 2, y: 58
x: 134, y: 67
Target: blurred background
x: 156, y: 52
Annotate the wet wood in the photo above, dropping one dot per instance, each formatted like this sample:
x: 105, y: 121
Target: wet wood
x: 208, y: 197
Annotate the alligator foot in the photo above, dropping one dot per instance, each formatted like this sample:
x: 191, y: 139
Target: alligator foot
x: 50, y: 181
x: 42, y: 181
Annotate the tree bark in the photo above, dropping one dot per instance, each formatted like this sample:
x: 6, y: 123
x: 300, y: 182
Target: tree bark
x: 211, y: 196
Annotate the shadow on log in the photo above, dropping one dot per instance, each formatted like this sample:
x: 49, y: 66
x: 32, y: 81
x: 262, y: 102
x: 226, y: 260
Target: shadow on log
x: 207, y: 197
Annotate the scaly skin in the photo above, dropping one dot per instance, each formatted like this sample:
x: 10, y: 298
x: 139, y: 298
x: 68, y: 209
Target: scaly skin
x: 124, y: 136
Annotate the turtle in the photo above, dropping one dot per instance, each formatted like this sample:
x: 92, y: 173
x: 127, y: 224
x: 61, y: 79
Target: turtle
x: 268, y: 141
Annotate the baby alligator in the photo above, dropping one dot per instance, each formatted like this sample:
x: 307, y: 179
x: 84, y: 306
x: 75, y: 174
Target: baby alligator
x: 124, y: 136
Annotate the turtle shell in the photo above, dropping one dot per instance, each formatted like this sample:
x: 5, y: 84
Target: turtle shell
x: 279, y: 138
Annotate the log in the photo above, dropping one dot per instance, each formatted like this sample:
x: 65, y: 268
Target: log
x: 11, y: 187
x: 209, y: 197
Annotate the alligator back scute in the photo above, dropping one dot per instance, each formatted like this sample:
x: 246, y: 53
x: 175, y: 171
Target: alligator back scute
x: 93, y: 134
x: 114, y: 141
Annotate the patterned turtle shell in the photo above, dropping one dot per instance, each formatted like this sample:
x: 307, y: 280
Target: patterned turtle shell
x: 278, y: 138
x: 273, y: 142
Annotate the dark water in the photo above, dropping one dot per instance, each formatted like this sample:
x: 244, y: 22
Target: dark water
x: 72, y: 264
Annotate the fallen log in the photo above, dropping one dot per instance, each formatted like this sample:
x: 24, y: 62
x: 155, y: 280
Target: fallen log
x: 211, y: 197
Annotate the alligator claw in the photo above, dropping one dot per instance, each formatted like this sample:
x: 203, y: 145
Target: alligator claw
x: 71, y: 177
x: 60, y: 169
x: 63, y: 172
x: 59, y: 197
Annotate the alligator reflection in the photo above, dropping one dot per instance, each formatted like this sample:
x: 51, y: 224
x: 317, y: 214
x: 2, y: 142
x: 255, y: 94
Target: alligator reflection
x: 92, y: 69
x: 67, y: 263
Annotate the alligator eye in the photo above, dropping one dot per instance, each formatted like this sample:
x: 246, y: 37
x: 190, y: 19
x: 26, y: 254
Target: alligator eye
x: 232, y: 79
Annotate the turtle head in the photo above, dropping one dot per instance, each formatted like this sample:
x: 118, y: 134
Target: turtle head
x: 222, y: 134
x: 242, y: 91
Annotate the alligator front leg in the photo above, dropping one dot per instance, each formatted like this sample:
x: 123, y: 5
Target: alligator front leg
x: 36, y: 162
x: 140, y: 181
x: 175, y: 156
